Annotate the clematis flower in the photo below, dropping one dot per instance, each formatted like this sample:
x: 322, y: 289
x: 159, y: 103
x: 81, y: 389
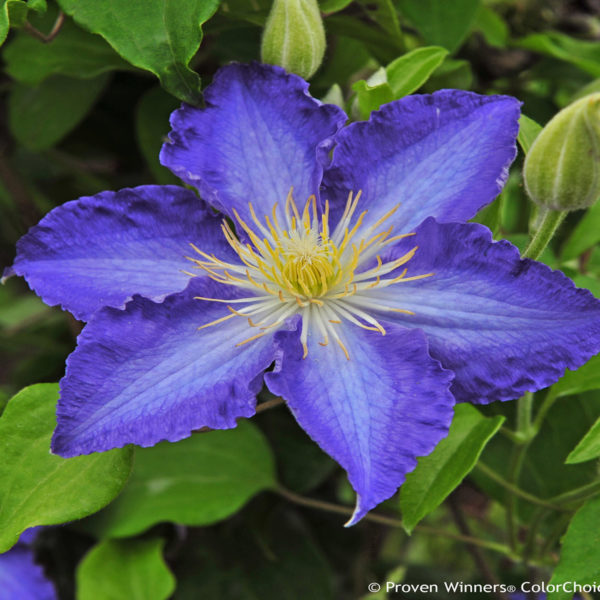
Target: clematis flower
x: 20, y: 577
x: 356, y: 279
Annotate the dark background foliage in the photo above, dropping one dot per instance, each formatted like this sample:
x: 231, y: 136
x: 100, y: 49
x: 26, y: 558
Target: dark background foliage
x: 80, y: 115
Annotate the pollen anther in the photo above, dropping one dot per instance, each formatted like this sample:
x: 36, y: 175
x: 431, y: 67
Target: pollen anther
x: 326, y: 277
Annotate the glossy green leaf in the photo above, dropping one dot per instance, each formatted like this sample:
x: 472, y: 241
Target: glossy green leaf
x: 582, y: 54
x: 370, y: 98
x: 73, y: 52
x: 132, y: 569
x: 588, y: 448
x: 580, y: 555
x: 39, y: 488
x: 528, y: 131
x: 439, y: 473
x: 41, y: 116
x: 152, y: 127
x: 197, y: 481
x: 585, y: 235
x: 160, y: 36
x: 409, y: 72
x: 441, y: 23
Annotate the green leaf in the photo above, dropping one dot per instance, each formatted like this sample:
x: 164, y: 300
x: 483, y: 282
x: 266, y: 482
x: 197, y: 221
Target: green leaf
x: 585, y: 235
x: 439, y: 473
x: 4, y: 21
x: 583, y: 54
x: 13, y: 13
x: 492, y: 26
x: 39, y: 488
x: 385, y: 15
x: 160, y: 36
x: 490, y: 216
x: 73, y: 52
x: 40, y: 116
x: 370, y: 98
x: 528, y: 131
x: 583, y: 379
x: 197, y: 481
x: 588, y: 282
x: 440, y: 22
x: 132, y: 569
x: 588, y: 448
x: 269, y: 556
x: 152, y: 127
x: 580, y: 554
x: 409, y: 72
x: 331, y: 6
x: 381, y: 47
x: 17, y: 12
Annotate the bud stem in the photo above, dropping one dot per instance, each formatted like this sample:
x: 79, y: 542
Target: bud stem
x: 550, y: 222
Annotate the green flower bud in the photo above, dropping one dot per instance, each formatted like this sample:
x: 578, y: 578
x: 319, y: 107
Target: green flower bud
x: 562, y: 168
x: 294, y: 37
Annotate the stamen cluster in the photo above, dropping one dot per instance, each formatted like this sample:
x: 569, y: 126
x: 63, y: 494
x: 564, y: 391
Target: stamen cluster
x: 302, y: 267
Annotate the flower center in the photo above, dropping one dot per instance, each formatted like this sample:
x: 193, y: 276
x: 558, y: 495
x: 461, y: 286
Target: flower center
x: 327, y: 277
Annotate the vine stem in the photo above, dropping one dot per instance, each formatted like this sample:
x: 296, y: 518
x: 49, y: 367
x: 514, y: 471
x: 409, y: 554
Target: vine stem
x: 516, y: 490
x: 550, y: 222
x: 393, y: 522
x: 523, y: 436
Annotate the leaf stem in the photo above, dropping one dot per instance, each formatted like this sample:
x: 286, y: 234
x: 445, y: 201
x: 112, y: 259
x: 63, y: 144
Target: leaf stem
x: 549, y: 224
x: 516, y: 490
x: 578, y: 494
x: 393, y: 522
x: 46, y: 38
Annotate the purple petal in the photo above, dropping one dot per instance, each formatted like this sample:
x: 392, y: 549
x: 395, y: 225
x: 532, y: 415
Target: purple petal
x: 374, y: 413
x: 100, y: 250
x: 260, y: 134
x: 21, y: 578
x: 147, y: 374
x: 444, y: 155
x: 28, y: 536
x: 502, y: 324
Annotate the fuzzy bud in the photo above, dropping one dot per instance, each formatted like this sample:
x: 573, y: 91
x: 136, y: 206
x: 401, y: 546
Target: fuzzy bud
x: 562, y: 168
x: 294, y: 37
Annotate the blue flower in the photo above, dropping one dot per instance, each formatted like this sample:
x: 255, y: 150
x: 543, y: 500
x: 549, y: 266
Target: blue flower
x: 20, y: 577
x: 376, y: 304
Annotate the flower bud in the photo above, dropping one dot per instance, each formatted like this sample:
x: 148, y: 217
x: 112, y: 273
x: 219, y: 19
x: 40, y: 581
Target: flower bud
x: 562, y: 168
x: 294, y: 37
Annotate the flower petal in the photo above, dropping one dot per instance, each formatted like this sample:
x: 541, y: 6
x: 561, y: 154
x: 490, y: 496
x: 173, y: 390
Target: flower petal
x: 260, y: 134
x: 444, y: 155
x: 502, y: 324
x: 21, y: 578
x: 100, y: 250
x: 374, y: 413
x: 146, y: 373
